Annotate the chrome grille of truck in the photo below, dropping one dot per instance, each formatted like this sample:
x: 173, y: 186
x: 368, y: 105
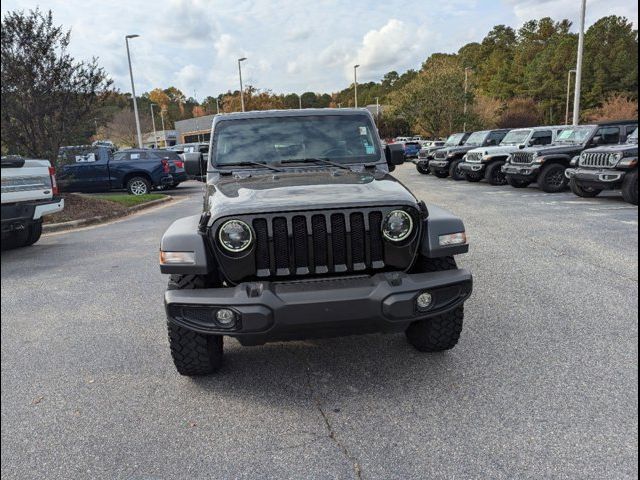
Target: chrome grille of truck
x: 318, y: 243
x: 522, y: 157
x: 474, y: 157
x: 594, y: 160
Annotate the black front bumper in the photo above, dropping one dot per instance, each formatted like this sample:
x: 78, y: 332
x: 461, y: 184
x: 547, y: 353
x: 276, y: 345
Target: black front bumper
x: 600, y: 178
x: 439, y: 165
x: 522, y: 172
x: 271, y: 311
x: 472, y: 167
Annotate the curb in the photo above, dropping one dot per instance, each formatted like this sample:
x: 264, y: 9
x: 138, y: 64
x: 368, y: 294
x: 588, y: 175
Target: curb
x: 56, y: 227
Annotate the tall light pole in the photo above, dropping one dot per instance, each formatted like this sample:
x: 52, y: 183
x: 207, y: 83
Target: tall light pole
x: 153, y: 120
x: 240, y: 60
x: 466, y: 91
x: 133, y: 90
x: 355, y: 84
x: 217, y: 106
x: 300, y: 101
x: 566, y: 114
x: 578, y: 87
x: 377, y: 109
x: 164, y: 132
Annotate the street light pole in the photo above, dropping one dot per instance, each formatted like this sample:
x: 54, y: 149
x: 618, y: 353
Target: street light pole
x: 218, y: 106
x: 566, y: 115
x: 240, y: 60
x: 466, y: 91
x: 153, y: 120
x: 133, y: 91
x: 355, y: 84
x: 377, y: 109
x: 164, y: 131
x: 300, y: 101
x: 578, y: 87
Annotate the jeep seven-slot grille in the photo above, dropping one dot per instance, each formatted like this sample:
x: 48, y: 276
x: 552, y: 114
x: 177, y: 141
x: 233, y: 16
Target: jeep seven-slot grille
x: 441, y: 154
x: 522, y: 157
x: 595, y: 160
x: 318, y: 243
x: 474, y: 157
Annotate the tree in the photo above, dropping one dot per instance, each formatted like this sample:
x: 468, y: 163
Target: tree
x: 520, y: 112
x: 48, y: 98
x: 616, y: 107
x: 121, y: 129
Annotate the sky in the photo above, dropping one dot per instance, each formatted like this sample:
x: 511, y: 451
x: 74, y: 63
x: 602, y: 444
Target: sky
x: 291, y: 46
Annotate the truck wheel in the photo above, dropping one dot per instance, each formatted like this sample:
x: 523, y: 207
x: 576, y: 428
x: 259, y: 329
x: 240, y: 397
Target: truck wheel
x: 440, y: 173
x: 584, y: 192
x: 138, y: 186
x: 494, y: 174
x: 422, y: 168
x: 517, y: 182
x: 454, y: 170
x: 552, y: 179
x: 630, y: 188
x: 35, y: 231
x: 473, y: 177
x: 193, y: 353
x: 442, y: 332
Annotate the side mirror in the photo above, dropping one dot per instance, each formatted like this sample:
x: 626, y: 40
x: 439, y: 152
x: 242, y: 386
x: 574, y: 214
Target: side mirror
x: 522, y: 145
x: 193, y: 164
x: 394, y: 154
x: 597, y: 140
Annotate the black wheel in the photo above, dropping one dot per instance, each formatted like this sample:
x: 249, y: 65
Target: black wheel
x: 584, y: 192
x: 440, y: 173
x: 35, y: 231
x: 193, y: 353
x: 517, y: 182
x: 423, y: 168
x: 473, y: 177
x: 442, y: 332
x: 630, y: 188
x: 552, y: 178
x: 138, y: 186
x: 454, y: 170
x: 23, y: 238
x: 495, y: 175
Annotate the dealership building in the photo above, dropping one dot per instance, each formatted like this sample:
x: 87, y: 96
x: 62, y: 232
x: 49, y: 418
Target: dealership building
x: 196, y: 129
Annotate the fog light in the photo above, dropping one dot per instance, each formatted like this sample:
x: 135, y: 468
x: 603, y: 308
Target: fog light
x: 225, y: 317
x: 424, y: 301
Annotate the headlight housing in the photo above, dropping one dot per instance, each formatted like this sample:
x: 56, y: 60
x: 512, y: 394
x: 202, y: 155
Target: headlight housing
x: 615, y: 158
x: 235, y: 236
x: 397, y: 226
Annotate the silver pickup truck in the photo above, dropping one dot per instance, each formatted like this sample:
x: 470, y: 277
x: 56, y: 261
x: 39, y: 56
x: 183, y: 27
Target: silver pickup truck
x: 29, y: 192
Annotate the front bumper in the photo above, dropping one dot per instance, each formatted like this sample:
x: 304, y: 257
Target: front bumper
x: 528, y: 172
x: 17, y: 216
x: 271, y: 311
x: 472, y: 167
x: 439, y: 164
x: 603, y: 178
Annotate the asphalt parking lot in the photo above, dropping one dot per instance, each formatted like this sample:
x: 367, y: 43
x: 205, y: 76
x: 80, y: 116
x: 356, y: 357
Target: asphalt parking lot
x: 544, y: 383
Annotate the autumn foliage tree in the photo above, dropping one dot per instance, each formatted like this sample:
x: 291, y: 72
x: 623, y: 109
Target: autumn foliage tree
x: 616, y: 107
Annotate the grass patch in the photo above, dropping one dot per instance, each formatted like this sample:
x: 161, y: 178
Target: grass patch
x: 129, y: 200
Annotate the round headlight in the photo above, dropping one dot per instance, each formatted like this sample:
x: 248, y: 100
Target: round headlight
x: 397, y: 226
x: 615, y: 158
x: 235, y: 236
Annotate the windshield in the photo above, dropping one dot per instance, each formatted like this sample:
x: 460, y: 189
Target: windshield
x: 516, y: 137
x: 575, y: 135
x: 633, y: 138
x: 340, y: 138
x: 454, y: 140
x: 476, y: 138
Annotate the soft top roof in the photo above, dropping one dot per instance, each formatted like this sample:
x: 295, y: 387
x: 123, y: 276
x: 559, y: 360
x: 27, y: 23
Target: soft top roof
x: 306, y: 112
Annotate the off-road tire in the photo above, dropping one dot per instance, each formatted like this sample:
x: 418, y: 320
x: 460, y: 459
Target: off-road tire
x: 422, y: 169
x: 552, y: 178
x: 454, y: 170
x: 630, y: 188
x: 473, y: 177
x: 440, y: 173
x: 494, y: 174
x: 442, y: 332
x: 193, y: 353
x: 23, y: 238
x: 584, y: 192
x: 35, y: 232
x: 517, y: 182
x: 138, y: 186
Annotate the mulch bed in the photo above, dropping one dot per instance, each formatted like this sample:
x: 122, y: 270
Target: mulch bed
x: 77, y: 207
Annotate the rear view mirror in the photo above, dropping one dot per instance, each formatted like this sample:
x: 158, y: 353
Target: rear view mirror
x: 394, y: 154
x: 193, y: 164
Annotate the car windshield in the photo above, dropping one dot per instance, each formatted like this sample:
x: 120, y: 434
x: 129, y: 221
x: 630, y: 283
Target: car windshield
x: 575, y: 135
x: 633, y: 138
x: 339, y: 138
x: 476, y: 138
x: 516, y: 137
x: 454, y: 140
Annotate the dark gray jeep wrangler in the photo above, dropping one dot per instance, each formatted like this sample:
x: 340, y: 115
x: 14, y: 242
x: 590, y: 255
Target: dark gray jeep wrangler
x: 304, y: 233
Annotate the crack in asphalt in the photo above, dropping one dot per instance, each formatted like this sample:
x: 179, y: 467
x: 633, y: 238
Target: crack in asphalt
x: 357, y: 469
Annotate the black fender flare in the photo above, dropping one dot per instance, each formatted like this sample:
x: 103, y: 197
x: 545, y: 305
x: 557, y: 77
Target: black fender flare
x: 441, y: 222
x: 184, y: 236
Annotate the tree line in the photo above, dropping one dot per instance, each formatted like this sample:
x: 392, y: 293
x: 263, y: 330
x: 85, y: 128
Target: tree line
x: 511, y: 78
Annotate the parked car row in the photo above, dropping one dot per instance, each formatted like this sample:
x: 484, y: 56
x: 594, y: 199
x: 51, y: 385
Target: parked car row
x: 587, y: 158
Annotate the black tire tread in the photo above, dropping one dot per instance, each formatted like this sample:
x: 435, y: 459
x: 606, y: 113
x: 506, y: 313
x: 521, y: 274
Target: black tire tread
x: 630, y: 188
x: 518, y: 183
x: 580, y: 191
x: 437, y: 334
x: 543, y: 174
x: 492, y: 170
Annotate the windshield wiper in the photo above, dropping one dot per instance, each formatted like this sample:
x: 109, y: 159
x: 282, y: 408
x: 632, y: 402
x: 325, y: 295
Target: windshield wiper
x: 325, y: 161
x: 249, y: 163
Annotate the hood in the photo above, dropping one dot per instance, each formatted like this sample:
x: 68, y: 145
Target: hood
x: 499, y: 150
x: 310, y: 189
x: 556, y: 149
x: 622, y: 147
x: 461, y: 149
